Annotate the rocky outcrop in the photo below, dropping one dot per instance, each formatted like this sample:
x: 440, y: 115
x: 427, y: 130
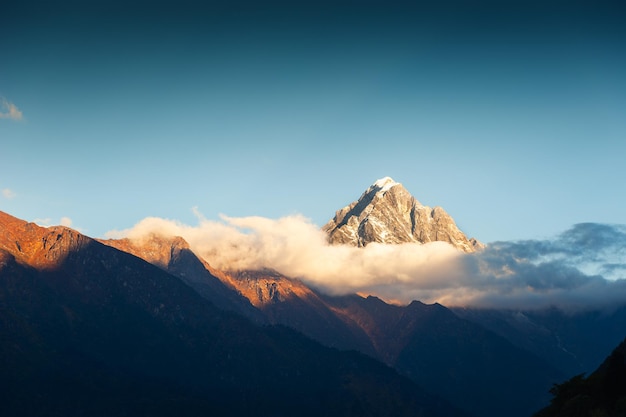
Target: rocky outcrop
x: 388, y: 213
x: 40, y: 247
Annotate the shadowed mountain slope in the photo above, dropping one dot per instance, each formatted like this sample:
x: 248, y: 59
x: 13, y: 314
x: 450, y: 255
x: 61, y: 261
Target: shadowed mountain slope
x: 172, y: 254
x: 573, y: 341
x: 451, y: 357
x: 459, y: 360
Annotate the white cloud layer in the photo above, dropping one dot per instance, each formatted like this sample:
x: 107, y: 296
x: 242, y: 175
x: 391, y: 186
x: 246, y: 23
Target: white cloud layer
x: 507, y: 274
x: 9, y: 110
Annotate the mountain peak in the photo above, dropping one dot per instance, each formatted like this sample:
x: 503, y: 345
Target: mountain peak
x: 387, y: 213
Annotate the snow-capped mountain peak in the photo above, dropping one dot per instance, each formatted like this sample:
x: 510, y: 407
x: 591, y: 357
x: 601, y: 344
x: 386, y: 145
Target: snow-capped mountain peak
x: 387, y: 213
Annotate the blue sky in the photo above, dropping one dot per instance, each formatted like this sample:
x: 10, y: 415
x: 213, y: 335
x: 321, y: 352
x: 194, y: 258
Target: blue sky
x: 510, y: 115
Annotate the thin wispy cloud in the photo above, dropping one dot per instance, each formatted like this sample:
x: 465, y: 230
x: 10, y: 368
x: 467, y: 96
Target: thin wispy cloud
x: 8, y: 193
x: 9, y: 110
x: 526, y: 274
x: 64, y: 221
x: 43, y: 222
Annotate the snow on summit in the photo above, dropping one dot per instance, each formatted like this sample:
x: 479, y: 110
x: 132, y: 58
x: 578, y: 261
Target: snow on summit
x: 384, y: 184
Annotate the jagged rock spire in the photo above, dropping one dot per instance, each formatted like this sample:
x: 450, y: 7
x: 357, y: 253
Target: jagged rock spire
x: 387, y: 213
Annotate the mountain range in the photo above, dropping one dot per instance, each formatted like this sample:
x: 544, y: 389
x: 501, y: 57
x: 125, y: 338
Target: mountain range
x: 451, y: 357
x: 135, y: 318
x: 91, y: 330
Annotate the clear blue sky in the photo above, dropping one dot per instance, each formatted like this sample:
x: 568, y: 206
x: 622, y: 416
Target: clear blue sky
x: 510, y: 115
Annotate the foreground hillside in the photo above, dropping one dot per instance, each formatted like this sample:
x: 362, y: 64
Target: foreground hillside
x: 89, y: 330
x: 601, y: 394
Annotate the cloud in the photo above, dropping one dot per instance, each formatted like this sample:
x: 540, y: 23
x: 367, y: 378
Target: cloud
x: 590, y: 247
x: 9, y: 110
x: 44, y: 222
x: 524, y: 274
x: 66, y: 221
x: 8, y: 193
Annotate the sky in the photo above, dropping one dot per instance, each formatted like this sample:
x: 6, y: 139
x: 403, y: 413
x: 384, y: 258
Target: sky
x: 508, y: 114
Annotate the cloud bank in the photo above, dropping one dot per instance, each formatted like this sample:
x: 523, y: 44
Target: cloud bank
x: 569, y: 271
x: 9, y: 110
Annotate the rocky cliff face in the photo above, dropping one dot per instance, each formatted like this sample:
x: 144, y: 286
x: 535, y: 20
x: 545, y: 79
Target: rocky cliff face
x: 388, y: 213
